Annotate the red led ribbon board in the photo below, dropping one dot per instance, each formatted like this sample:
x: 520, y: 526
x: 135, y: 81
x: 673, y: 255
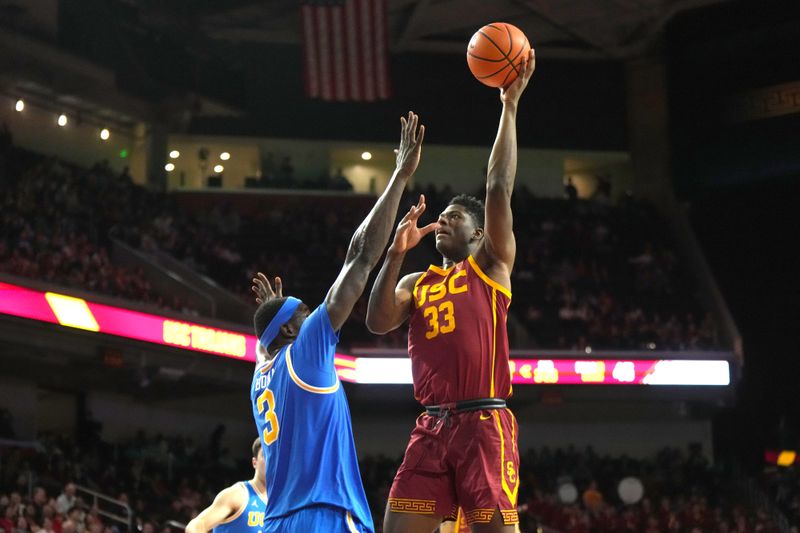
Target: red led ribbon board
x: 82, y: 314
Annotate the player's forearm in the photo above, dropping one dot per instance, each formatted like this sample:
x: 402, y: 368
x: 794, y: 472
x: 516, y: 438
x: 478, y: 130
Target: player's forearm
x: 503, y: 160
x: 372, y: 235
x: 382, y: 309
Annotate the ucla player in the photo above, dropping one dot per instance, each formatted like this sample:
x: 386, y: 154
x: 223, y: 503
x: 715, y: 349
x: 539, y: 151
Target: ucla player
x: 463, y: 450
x: 240, y: 507
x: 312, y: 478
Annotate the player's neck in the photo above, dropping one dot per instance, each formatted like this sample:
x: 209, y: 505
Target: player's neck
x: 448, y: 262
x: 259, y: 485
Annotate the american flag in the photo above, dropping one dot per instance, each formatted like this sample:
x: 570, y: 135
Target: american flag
x: 346, y: 52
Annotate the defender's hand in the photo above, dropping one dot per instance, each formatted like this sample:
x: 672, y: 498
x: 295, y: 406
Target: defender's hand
x: 410, y: 144
x: 263, y: 289
x: 408, y: 234
x: 511, y: 94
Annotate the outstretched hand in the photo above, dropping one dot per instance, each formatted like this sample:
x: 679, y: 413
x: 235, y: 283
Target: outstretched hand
x: 410, y: 144
x: 408, y: 234
x: 512, y: 93
x: 263, y: 288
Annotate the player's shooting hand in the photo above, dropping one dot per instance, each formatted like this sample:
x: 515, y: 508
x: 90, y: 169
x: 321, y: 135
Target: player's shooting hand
x: 512, y: 93
x: 408, y: 234
x: 410, y: 144
x: 263, y: 288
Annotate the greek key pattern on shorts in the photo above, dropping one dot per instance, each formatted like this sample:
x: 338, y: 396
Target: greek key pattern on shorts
x: 479, y: 516
x: 510, y: 517
x: 408, y: 505
x: 453, y: 514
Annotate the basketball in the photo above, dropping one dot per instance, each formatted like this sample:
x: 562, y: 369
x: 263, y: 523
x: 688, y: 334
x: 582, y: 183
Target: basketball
x: 496, y: 52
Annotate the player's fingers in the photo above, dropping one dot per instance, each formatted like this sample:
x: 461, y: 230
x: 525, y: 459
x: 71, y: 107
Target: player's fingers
x: 259, y: 301
x: 264, y: 282
x: 415, y: 122
x: 433, y: 226
x: 279, y: 287
x: 406, y: 217
x: 420, y: 136
x: 531, y: 63
x: 258, y: 285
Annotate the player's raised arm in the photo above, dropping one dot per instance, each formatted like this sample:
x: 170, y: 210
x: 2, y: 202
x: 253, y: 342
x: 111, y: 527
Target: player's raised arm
x: 499, y: 235
x: 371, y: 237
x: 390, y: 301
x: 225, y: 505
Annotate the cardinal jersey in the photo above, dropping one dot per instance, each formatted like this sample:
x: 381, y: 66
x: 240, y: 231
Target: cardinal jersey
x: 457, y: 335
x: 304, y: 422
x: 250, y: 518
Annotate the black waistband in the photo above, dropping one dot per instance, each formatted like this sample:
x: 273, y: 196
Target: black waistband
x: 467, y: 405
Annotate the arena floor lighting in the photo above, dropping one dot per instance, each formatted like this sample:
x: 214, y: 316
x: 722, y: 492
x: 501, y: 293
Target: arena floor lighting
x: 78, y: 313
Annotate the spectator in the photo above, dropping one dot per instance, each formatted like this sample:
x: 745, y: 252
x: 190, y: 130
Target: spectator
x: 66, y: 500
x: 570, y: 190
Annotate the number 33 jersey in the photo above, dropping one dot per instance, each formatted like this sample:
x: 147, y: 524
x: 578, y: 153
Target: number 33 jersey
x: 303, y: 420
x: 457, y: 335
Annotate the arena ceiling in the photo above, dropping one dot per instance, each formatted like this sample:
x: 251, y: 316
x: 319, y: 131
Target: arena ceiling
x: 578, y: 29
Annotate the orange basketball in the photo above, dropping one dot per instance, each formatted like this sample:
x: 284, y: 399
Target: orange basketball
x: 496, y: 52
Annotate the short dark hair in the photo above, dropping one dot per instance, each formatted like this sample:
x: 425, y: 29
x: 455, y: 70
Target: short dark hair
x: 265, y: 313
x: 473, y: 206
x: 256, y: 446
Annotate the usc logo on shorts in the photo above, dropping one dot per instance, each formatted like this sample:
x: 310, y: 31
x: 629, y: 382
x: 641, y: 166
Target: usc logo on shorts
x: 511, y: 472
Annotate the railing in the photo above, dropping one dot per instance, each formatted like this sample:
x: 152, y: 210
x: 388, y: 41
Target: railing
x: 164, y: 280
x: 122, y: 514
x: 707, y: 283
x: 758, y: 499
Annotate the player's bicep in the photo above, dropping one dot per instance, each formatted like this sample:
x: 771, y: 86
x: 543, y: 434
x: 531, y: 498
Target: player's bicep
x: 404, y: 298
x: 227, y: 503
x: 499, y: 238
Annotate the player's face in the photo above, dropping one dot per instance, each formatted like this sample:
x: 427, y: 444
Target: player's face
x: 259, y: 464
x: 456, y: 232
x: 300, y: 316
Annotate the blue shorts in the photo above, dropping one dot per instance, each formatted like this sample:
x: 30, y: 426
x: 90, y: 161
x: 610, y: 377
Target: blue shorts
x: 319, y: 518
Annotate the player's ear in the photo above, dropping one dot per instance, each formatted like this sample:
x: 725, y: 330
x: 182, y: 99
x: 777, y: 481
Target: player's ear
x: 477, y: 234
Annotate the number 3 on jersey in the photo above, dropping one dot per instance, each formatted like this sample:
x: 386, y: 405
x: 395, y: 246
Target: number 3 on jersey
x: 271, y: 431
x: 432, y: 313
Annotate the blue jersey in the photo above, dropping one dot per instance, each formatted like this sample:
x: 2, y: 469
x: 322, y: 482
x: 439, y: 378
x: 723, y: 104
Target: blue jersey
x: 304, y: 422
x: 248, y: 519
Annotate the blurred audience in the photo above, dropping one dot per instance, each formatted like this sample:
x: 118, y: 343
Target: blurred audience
x: 587, y: 274
x: 170, y: 479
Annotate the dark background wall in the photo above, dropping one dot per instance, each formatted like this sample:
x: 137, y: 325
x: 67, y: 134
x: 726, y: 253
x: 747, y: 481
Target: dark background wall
x: 742, y: 181
x: 571, y: 104
x: 715, y: 54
